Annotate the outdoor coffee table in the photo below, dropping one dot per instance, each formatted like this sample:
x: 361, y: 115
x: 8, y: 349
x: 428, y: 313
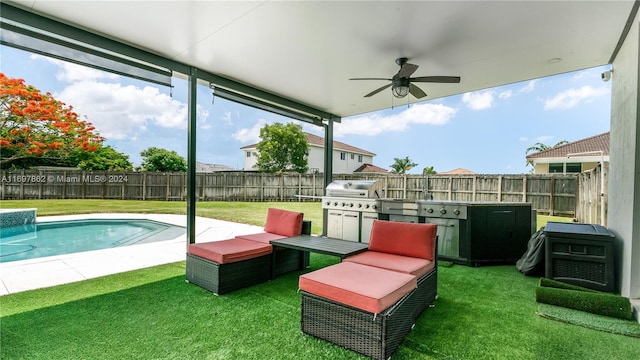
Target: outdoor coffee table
x: 321, y: 245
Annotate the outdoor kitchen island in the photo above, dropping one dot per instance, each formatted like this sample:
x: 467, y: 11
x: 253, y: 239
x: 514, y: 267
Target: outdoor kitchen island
x: 469, y: 232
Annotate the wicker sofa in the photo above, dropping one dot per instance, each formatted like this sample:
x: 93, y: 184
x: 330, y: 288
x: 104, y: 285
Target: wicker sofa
x: 370, y: 301
x: 228, y: 265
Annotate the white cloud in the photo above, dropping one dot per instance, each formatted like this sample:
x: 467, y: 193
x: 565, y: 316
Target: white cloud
x: 523, y: 138
x: 227, y: 118
x: 529, y: 87
x: 250, y: 135
x: 478, y: 100
x: 573, y: 97
x: 119, y: 111
x: 543, y: 139
x: 505, y: 94
x: 374, y: 124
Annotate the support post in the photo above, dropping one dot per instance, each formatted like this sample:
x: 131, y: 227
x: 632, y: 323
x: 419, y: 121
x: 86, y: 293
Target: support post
x: 191, y: 157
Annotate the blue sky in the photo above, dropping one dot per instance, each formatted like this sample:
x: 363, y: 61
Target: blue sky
x: 487, y: 131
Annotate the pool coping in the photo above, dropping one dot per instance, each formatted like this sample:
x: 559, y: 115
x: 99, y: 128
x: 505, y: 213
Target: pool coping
x: 24, y: 275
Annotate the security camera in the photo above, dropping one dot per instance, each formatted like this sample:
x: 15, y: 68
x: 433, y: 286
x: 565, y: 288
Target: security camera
x: 606, y: 76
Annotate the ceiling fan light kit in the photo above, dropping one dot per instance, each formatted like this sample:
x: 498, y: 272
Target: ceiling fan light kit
x: 400, y: 87
x: 402, y: 82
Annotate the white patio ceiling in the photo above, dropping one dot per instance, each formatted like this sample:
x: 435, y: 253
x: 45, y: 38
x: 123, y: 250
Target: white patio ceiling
x: 307, y: 50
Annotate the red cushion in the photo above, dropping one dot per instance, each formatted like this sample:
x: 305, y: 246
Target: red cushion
x: 261, y: 237
x: 402, y: 238
x: 405, y: 264
x: 364, y: 287
x: 283, y: 222
x: 229, y: 251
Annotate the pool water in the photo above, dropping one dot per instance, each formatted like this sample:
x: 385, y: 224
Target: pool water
x: 65, y: 237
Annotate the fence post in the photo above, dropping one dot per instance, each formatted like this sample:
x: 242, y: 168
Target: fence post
x: 281, y: 182
x: 551, y: 199
x: 224, y: 187
x: 144, y: 185
x: 524, y: 188
x: 166, y: 191
x: 499, y: 188
x: 475, y: 180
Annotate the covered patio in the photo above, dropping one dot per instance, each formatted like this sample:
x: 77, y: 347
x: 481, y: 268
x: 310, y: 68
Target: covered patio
x: 296, y: 59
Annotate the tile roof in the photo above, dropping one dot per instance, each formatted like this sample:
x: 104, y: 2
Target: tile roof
x: 370, y: 168
x: 319, y: 141
x: 204, y: 168
x: 594, y: 143
x: 458, y: 171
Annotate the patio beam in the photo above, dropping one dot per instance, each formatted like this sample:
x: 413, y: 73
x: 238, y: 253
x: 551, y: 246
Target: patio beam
x: 260, y: 99
x: 191, y: 156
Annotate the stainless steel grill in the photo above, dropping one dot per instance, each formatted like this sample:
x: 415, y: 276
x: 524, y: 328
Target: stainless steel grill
x: 351, y: 207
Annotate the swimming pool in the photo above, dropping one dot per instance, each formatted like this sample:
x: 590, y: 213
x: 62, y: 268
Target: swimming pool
x: 43, y: 239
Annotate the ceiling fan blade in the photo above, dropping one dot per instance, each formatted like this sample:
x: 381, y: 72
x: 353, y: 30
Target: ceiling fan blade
x: 407, y: 69
x: 416, y: 91
x: 377, y: 90
x: 370, y: 79
x: 437, y: 79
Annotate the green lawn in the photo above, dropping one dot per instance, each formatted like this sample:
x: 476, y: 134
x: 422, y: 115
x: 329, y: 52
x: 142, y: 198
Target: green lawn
x: 253, y: 213
x: 481, y: 313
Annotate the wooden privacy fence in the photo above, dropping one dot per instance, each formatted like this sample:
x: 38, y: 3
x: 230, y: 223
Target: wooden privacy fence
x: 555, y: 194
x: 592, y: 200
x: 549, y: 193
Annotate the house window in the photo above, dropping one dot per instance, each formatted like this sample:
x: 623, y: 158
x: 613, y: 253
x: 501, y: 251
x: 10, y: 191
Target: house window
x: 570, y: 168
x: 352, y: 156
x: 343, y: 156
x: 248, y: 153
x: 556, y: 168
x: 359, y: 158
x: 574, y: 167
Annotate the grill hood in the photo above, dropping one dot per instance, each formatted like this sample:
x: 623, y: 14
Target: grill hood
x: 354, y: 189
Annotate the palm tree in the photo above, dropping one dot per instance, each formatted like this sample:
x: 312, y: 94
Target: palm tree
x: 538, y: 147
x: 429, y: 170
x: 401, y: 166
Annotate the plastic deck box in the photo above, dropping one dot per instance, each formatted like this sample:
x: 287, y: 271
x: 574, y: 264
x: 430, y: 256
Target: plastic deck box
x: 580, y: 254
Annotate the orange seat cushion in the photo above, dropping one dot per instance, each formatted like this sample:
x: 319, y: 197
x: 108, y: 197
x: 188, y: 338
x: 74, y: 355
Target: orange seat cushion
x: 229, y: 251
x: 283, y: 222
x: 261, y: 237
x: 401, y: 238
x: 364, y: 287
x: 405, y: 264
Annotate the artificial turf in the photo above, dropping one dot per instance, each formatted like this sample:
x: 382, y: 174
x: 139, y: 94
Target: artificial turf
x: 481, y: 313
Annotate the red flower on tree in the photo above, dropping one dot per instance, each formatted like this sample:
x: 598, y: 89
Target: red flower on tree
x: 33, y: 124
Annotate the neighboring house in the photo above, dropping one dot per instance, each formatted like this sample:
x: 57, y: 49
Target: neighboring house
x: 346, y: 158
x: 574, y: 157
x: 458, y: 171
x: 370, y: 168
x: 206, y: 168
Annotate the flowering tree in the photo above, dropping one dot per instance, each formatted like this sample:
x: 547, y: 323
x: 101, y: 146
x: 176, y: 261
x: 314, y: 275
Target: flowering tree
x: 36, y: 128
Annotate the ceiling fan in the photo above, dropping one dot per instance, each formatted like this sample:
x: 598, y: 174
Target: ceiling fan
x: 402, y: 82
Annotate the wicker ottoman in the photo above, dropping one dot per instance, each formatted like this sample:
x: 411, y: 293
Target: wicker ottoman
x: 228, y: 265
x: 374, y: 334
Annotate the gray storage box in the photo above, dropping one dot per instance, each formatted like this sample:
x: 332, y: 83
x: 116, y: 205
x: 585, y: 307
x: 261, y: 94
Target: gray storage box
x: 580, y: 254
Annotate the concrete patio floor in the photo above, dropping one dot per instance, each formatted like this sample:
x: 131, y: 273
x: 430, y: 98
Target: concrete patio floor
x: 23, y: 275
